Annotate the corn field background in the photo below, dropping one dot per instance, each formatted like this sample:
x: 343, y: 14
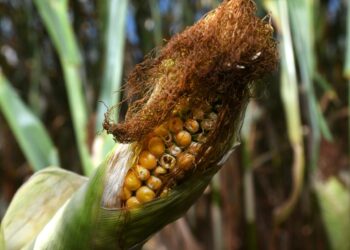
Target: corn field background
x: 62, y: 63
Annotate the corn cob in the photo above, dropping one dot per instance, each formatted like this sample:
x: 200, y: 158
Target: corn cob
x: 186, y: 101
x: 168, y: 152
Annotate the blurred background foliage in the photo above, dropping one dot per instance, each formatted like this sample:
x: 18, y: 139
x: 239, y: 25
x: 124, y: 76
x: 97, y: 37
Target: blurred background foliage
x: 287, y: 186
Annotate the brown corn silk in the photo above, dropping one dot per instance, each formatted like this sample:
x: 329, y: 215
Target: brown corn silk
x: 222, y: 53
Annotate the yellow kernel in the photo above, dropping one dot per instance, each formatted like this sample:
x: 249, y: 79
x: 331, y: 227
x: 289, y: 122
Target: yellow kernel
x: 132, y: 202
x: 192, y: 126
x: 161, y: 131
x: 145, y: 194
x: 183, y: 138
x: 131, y: 181
x: 159, y: 171
x: 125, y: 194
x: 167, y: 161
x: 147, y: 160
x: 154, y: 183
x: 185, y: 161
x: 182, y: 107
x: 156, y: 146
x: 175, y: 125
x: 142, y: 173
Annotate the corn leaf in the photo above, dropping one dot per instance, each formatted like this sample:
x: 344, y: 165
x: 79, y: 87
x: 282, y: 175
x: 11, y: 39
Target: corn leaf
x: 114, y: 56
x: 290, y: 99
x: 334, y: 199
x: 35, y: 204
x: 30, y: 133
x: 302, y: 16
x: 56, y: 19
x: 112, y: 75
x: 347, y: 55
x: 347, y: 61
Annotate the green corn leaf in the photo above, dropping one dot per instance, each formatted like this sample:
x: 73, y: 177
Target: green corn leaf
x: 157, y: 18
x: 347, y: 56
x: 56, y: 19
x: 302, y: 17
x: 347, y: 62
x: 30, y: 133
x: 290, y: 99
x: 334, y: 199
x: 112, y: 75
x: 114, y: 55
x: 35, y: 204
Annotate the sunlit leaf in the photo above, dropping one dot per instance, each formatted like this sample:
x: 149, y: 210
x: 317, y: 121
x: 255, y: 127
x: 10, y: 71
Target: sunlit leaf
x: 56, y: 19
x: 30, y: 133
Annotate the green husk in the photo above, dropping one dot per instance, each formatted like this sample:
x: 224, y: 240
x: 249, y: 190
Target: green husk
x: 84, y: 223
x: 36, y: 202
x: 2, y: 240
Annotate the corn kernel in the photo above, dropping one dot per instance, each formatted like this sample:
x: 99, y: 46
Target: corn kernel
x: 192, y: 126
x: 174, y: 150
x: 213, y: 116
x: 156, y: 146
x: 132, y: 202
x: 159, y: 171
x: 167, y: 161
x: 142, y: 173
x: 208, y: 124
x: 198, y: 114
x: 168, y: 139
x: 182, y: 107
x: 183, y: 138
x: 147, y: 160
x: 145, y: 194
x: 154, y: 183
x: 194, y: 148
x: 175, y: 125
x: 201, y: 138
x: 125, y: 194
x: 185, y: 161
x: 164, y: 193
x: 161, y: 131
x: 131, y: 181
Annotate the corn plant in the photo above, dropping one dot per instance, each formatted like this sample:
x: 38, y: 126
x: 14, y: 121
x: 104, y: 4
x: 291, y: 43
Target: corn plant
x: 173, y: 139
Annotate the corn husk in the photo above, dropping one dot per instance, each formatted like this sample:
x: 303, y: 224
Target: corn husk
x: 84, y: 223
x: 2, y: 240
x: 35, y: 203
